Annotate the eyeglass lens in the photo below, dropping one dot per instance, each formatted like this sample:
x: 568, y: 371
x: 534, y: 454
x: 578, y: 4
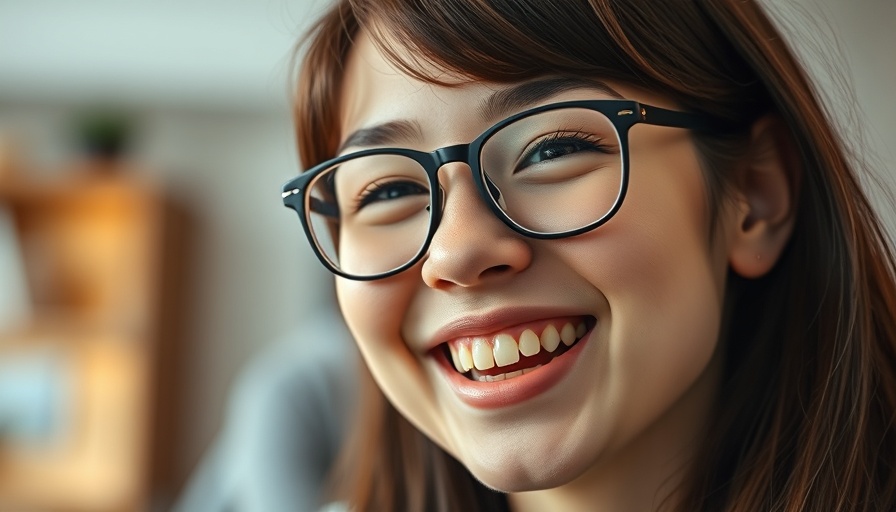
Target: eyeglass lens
x: 552, y: 172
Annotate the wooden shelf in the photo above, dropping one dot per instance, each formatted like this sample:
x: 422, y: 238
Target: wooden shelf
x: 92, y: 248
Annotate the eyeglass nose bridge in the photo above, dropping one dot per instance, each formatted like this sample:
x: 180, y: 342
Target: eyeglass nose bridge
x: 461, y: 153
x: 449, y: 154
x: 442, y: 157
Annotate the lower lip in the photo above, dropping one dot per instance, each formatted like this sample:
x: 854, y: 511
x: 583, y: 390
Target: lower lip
x: 504, y: 393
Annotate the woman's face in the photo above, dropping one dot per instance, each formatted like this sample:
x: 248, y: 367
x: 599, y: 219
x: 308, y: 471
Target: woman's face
x: 640, y: 300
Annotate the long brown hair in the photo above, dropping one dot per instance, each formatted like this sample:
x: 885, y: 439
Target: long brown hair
x: 805, y: 416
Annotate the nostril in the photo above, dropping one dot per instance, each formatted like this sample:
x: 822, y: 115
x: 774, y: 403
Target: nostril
x: 497, y: 269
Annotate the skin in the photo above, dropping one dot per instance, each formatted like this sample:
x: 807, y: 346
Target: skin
x: 617, y: 431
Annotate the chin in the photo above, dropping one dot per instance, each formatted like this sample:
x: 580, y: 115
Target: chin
x: 511, y: 476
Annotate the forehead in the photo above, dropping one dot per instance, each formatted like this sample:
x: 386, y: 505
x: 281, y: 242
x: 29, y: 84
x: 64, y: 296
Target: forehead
x: 377, y: 92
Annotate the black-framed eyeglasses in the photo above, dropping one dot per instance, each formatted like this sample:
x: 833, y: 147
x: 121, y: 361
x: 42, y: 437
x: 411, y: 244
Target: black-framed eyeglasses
x: 553, y: 171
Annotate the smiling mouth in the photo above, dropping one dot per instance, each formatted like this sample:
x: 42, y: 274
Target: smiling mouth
x: 509, y: 354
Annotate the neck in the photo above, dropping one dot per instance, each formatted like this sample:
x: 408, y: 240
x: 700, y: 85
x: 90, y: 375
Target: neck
x: 646, y: 474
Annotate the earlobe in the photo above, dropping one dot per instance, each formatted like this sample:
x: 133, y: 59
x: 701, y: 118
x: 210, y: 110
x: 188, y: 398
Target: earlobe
x: 766, y: 199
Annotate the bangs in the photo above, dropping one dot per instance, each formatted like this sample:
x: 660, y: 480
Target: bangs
x: 511, y: 40
x: 445, y: 42
x: 493, y: 42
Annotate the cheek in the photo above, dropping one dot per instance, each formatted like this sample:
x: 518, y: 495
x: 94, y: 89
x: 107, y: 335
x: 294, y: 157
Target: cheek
x: 663, y: 285
x: 371, y: 310
x: 374, y: 312
x: 656, y: 251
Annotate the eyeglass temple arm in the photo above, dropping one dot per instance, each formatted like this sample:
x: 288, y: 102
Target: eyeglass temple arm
x: 316, y: 205
x: 324, y: 208
x: 662, y: 117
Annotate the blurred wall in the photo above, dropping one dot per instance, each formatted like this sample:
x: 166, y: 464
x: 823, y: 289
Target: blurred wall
x: 848, y: 46
x: 204, y: 82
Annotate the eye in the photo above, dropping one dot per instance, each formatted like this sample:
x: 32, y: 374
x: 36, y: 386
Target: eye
x: 559, y: 145
x: 382, y: 191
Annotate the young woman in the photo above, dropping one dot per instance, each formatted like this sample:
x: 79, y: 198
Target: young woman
x: 597, y: 256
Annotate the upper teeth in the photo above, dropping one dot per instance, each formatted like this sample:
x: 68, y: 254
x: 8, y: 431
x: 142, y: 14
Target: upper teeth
x: 503, y: 350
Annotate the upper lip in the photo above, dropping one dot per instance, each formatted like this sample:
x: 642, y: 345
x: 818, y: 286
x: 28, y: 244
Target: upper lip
x: 494, y: 321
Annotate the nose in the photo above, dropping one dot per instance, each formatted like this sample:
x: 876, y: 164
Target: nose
x: 471, y: 246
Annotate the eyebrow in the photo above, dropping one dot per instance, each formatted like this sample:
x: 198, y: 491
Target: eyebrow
x: 507, y: 101
x: 383, y: 134
x: 499, y: 104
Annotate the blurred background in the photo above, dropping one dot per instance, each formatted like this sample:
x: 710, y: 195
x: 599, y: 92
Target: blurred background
x: 145, y: 255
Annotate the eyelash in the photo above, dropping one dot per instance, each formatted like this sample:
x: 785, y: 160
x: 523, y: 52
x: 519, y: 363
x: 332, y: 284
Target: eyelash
x: 361, y: 200
x: 577, y: 136
x: 375, y: 186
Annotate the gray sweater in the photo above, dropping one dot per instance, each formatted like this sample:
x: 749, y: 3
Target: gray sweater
x: 286, y: 418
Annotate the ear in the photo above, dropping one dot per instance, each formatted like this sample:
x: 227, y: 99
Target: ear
x: 765, y: 198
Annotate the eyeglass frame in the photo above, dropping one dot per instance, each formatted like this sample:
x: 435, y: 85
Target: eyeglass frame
x: 622, y: 113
